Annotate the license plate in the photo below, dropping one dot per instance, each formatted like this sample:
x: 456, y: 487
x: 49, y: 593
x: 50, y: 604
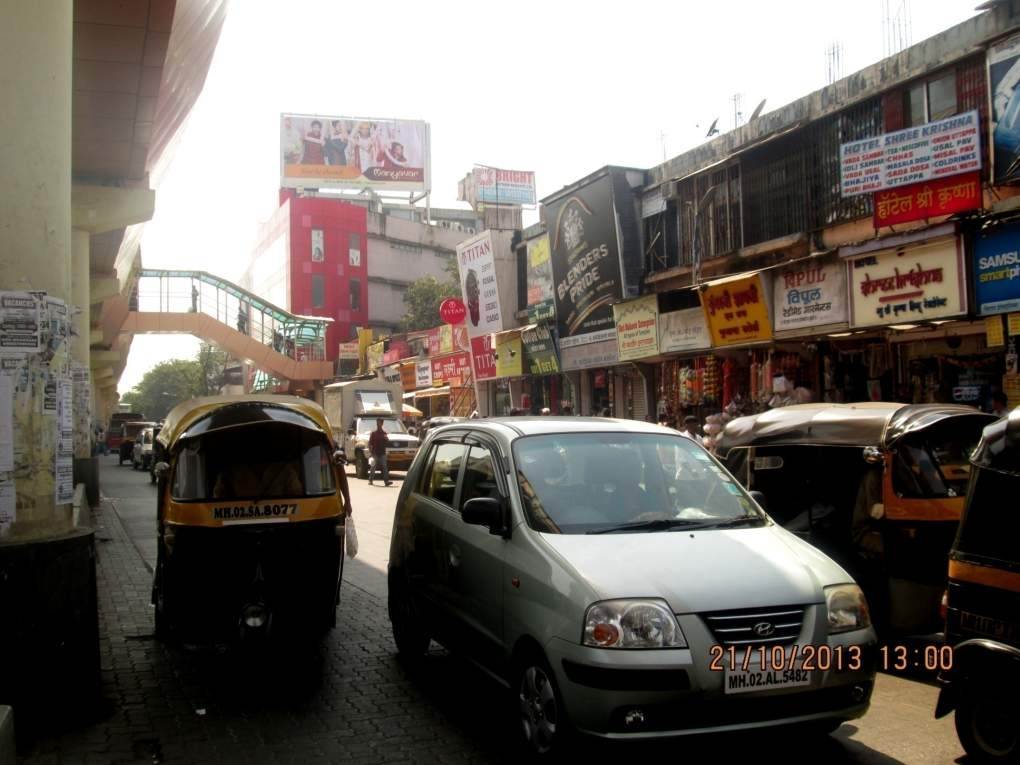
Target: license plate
x: 401, y: 452
x: 754, y: 679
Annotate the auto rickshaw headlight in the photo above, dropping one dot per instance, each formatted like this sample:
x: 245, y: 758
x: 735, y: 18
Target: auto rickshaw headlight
x: 255, y: 615
x: 847, y: 608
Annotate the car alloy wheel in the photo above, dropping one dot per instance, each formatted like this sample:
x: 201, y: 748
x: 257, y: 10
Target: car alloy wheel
x: 539, y: 707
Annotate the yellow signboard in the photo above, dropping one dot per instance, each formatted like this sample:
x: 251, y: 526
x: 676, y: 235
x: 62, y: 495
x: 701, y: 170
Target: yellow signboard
x: 637, y: 327
x: 509, y: 358
x: 446, y: 338
x: 993, y: 331
x: 737, y: 310
x: 375, y: 355
x: 364, y: 340
x: 1013, y: 322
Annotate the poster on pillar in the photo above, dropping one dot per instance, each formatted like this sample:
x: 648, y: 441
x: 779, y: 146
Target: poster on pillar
x: 908, y: 285
x: 64, y: 458
x: 737, y: 309
x: 476, y: 263
x: 637, y: 327
x: 19, y: 323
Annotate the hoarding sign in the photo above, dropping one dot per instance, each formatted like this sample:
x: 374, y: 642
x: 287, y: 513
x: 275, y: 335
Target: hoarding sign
x: 399, y: 349
x: 585, y: 256
x: 540, y: 280
x: 347, y: 152
x: 605, y: 353
x: 452, y: 310
x: 376, y: 351
x: 683, y: 330
x: 637, y: 327
x: 541, y: 351
x: 736, y: 310
x: 477, y: 264
x: 1003, y: 81
x: 509, y: 356
x: 453, y: 366
x: 348, y: 351
x: 482, y: 358
x: 408, y: 377
x: 809, y: 295
x: 918, y: 201
x: 947, y: 147
x: 907, y: 285
x: 997, y: 270
x: 504, y: 187
x: 423, y: 374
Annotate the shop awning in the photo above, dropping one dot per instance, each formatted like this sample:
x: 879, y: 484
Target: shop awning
x: 409, y: 410
x: 432, y: 392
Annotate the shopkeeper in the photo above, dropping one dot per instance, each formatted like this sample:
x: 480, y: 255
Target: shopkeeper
x: 691, y: 429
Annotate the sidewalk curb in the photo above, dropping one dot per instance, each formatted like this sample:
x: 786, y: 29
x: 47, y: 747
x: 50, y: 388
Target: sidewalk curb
x: 120, y: 522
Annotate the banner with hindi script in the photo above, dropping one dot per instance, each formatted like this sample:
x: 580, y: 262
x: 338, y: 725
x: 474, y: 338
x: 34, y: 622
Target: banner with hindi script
x: 919, y: 201
x: 908, y: 285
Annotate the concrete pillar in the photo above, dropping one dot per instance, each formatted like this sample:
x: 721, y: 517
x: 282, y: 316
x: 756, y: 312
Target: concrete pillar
x: 50, y: 637
x: 86, y: 466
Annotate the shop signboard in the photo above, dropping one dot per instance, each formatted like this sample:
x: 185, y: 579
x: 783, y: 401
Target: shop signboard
x: 950, y: 146
x: 477, y: 265
x: 809, y: 295
x: 399, y: 349
x: 423, y: 374
x: 605, y: 353
x: 1013, y: 324
x: 354, y: 153
x: 920, y: 201
x: 541, y: 305
x: 482, y: 357
x: 452, y: 366
x: 376, y: 351
x: 907, y: 285
x: 994, y: 334
x: 1004, y: 84
x: 737, y: 310
x: 348, y: 351
x: 637, y: 327
x: 683, y: 330
x: 364, y: 343
x: 541, y: 351
x: 509, y: 356
x: 585, y: 254
x: 504, y: 187
x: 997, y: 270
x: 407, y: 375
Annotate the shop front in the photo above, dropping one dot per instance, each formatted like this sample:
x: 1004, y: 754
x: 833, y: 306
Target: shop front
x: 590, y: 369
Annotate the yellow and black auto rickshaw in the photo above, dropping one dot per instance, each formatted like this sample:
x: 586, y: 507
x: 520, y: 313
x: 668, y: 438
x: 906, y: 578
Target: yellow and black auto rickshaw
x: 252, y: 505
x: 877, y: 486
x: 983, y: 602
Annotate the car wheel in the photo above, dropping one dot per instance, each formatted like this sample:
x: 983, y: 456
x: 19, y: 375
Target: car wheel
x: 541, y: 717
x: 362, y: 467
x: 411, y: 639
x: 988, y: 724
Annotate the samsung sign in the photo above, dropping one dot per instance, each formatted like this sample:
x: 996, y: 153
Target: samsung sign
x: 997, y: 271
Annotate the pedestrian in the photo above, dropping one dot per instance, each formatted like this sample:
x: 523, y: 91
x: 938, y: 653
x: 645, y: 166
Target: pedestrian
x: 1000, y: 404
x: 377, y: 443
x: 194, y: 298
x: 567, y: 410
x: 242, y: 320
x: 691, y: 429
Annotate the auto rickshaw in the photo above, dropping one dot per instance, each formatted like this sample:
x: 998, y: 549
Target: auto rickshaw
x: 983, y: 603
x: 877, y: 486
x: 252, y: 504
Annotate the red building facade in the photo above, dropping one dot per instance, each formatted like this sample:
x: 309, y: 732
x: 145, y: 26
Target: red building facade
x: 312, y: 259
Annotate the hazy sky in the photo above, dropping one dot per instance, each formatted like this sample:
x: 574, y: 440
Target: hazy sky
x: 559, y: 87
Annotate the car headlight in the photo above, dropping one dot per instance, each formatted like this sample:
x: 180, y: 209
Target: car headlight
x: 632, y: 624
x: 847, y: 607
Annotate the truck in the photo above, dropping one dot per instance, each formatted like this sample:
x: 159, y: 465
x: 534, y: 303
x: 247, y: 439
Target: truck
x: 352, y: 408
x: 114, y: 432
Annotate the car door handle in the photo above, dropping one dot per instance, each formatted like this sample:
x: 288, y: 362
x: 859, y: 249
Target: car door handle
x: 454, y: 556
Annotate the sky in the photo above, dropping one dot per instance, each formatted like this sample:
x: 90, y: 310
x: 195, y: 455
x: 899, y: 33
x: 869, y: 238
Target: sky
x: 561, y: 87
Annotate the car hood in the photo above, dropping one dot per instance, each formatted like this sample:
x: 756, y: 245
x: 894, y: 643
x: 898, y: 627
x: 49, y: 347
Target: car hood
x: 698, y: 571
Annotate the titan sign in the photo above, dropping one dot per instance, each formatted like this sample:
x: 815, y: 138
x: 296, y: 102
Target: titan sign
x: 585, y: 262
x: 349, y: 152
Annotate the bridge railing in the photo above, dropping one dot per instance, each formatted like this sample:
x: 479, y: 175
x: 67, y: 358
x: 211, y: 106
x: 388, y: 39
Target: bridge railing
x: 300, y: 337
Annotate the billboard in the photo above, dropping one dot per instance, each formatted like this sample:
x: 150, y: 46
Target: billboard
x: 997, y: 270
x: 637, y: 327
x: 350, y: 152
x: 737, y: 309
x: 810, y: 294
x: 585, y: 262
x: 919, y: 201
x: 504, y: 187
x: 1003, y: 79
x: 477, y: 265
x: 540, y: 280
x: 938, y: 149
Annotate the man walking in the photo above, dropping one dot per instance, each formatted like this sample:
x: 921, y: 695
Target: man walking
x: 377, y: 443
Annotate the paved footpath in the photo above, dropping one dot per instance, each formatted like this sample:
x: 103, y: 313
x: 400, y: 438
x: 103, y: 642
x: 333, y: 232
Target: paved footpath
x: 349, y: 699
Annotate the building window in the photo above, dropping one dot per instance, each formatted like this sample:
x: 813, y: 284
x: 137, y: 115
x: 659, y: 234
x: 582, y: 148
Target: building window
x: 318, y: 291
x: 915, y: 109
x: 318, y: 246
x: 930, y: 100
x: 354, y: 289
x: 354, y: 250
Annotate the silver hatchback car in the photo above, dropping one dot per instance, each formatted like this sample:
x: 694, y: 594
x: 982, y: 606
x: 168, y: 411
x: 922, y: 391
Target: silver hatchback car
x: 622, y: 583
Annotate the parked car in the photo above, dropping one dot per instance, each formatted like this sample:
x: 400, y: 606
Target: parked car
x: 129, y: 432
x: 141, y: 458
x: 615, y: 576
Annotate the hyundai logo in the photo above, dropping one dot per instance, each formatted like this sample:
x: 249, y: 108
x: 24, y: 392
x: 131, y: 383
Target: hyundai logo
x: 763, y: 629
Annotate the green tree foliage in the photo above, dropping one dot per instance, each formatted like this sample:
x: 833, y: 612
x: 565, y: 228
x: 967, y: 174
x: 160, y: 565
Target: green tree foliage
x: 171, y: 382
x: 422, y: 299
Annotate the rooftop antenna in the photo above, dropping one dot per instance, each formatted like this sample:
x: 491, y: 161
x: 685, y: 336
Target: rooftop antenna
x: 897, y: 25
x: 736, y: 98
x: 662, y: 140
x: 757, y: 110
x: 833, y: 63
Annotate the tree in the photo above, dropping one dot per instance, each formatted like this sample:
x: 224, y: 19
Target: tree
x: 166, y: 385
x: 422, y: 299
x: 213, y: 362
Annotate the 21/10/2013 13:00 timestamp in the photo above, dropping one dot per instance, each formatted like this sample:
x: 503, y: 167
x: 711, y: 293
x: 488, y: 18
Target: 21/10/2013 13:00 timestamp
x: 839, y: 658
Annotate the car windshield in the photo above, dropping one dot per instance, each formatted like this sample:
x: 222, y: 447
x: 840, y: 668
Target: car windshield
x: 367, y: 425
x: 580, y: 483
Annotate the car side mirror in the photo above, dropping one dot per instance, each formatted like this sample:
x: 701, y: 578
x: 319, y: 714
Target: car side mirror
x: 484, y: 511
x: 759, y: 497
x: 161, y: 469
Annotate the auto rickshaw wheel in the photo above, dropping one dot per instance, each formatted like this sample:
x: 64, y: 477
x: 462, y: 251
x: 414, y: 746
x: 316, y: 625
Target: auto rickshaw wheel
x: 988, y: 725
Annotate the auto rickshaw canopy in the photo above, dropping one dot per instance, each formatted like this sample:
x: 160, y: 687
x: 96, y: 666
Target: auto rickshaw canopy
x: 210, y: 413
x: 879, y: 424
x: 999, y: 448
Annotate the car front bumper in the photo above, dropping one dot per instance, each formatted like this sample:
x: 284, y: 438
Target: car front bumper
x: 636, y: 694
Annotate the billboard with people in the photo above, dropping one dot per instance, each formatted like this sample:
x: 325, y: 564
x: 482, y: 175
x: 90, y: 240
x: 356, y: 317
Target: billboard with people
x: 353, y: 152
